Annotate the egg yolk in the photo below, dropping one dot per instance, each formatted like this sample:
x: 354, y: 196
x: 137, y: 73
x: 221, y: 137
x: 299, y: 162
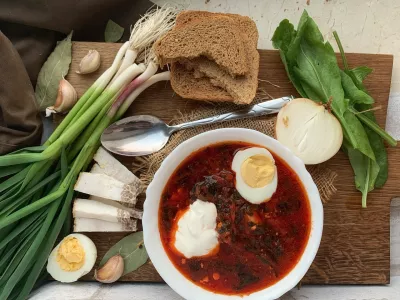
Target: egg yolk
x: 70, y: 254
x: 257, y: 171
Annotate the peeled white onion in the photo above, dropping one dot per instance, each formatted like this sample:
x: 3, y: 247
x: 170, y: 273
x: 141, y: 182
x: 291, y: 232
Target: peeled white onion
x: 309, y: 130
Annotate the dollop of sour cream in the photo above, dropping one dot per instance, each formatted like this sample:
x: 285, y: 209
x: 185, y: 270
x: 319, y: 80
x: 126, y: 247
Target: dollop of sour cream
x: 196, y: 233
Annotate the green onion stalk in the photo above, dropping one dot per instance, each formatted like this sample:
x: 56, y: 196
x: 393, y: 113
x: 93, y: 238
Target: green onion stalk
x: 45, y: 212
x: 89, y: 96
x: 36, y: 183
x: 34, y: 197
x: 42, y: 161
x: 73, y: 130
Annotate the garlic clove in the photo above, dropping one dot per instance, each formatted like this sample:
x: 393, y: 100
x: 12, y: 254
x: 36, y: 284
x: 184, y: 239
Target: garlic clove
x: 111, y: 271
x: 90, y: 63
x: 49, y: 111
x: 66, y: 98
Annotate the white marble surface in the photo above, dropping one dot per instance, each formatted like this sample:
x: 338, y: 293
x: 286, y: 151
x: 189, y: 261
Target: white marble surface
x: 92, y: 291
x: 363, y: 26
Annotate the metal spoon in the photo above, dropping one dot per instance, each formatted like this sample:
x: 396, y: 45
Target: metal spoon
x: 142, y: 135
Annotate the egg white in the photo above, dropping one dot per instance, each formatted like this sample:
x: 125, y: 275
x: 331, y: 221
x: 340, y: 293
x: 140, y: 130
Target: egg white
x: 253, y: 195
x: 59, y: 274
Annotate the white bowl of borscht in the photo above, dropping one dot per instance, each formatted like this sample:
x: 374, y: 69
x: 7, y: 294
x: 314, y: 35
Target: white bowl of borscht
x: 209, y: 231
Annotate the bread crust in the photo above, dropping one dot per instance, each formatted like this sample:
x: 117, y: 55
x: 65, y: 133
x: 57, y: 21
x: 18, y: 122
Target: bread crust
x: 218, y: 39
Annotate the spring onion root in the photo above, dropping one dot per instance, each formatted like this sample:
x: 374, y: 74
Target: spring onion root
x: 152, y: 26
x: 146, y: 31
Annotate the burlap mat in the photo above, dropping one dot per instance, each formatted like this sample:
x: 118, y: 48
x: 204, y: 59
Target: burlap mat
x: 148, y: 165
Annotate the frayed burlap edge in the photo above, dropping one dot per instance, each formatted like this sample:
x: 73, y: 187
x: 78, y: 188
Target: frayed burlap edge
x: 147, y: 166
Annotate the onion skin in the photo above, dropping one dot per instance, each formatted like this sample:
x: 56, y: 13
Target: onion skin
x: 309, y: 130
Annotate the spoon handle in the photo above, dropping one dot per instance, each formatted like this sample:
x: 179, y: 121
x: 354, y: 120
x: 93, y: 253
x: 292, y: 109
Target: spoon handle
x: 260, y: 109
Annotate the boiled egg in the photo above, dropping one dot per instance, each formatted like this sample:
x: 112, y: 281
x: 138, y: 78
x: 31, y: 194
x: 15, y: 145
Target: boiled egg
x: 256, y: 175
x: 72, y: 258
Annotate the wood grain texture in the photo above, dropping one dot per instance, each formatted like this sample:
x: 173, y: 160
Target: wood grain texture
x: 355, y: 244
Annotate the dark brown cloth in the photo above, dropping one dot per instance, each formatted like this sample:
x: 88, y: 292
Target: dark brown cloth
x: 19, y: 120
x: 34, y: 27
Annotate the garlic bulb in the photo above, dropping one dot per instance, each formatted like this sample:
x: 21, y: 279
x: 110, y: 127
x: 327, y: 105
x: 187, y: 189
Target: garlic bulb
x: 90, y: 63
x: 66, y: 99
x: 309, y: 130
x: 111, y: 271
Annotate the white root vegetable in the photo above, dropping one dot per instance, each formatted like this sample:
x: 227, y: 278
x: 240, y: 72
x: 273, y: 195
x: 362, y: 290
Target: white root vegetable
x: 309, y: 130
x: 109, y: 165
x: 104, y: 186
x: 94, y: 225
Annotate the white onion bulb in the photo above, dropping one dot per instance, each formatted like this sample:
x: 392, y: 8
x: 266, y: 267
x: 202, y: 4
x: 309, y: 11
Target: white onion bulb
x: 309, y: 130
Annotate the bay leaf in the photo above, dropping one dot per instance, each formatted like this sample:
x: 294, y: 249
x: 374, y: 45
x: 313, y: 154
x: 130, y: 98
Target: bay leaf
x: 132, y: 250
x: 113, y: 32
x: 53, y: 70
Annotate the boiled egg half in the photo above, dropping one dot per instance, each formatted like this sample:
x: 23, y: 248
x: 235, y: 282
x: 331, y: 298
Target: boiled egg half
x: 72, y: 258
x: 256, y: 175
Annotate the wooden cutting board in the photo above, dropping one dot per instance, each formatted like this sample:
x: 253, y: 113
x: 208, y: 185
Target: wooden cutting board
x: 355, y: 244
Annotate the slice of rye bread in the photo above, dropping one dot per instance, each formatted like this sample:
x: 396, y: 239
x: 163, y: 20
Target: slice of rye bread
x: 242, y: 88
x: 218, y: 39
x: 186, y: 85
x: 247, y: 25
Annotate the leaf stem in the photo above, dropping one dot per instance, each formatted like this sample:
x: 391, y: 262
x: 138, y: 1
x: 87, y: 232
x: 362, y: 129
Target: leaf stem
x: 366, y: 187
x: 375, y: 127
x: 339, y: 43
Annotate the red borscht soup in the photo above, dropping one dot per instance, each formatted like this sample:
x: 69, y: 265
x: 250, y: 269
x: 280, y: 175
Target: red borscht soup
x: 258, y: 244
